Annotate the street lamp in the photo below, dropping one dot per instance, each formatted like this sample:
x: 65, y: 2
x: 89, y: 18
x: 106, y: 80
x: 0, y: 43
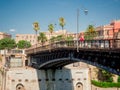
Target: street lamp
x: 86, y: 12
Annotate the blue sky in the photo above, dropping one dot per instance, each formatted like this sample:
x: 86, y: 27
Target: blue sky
x: 17, y: 16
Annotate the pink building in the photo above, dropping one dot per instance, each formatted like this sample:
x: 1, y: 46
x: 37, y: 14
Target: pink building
x: 109, y: 31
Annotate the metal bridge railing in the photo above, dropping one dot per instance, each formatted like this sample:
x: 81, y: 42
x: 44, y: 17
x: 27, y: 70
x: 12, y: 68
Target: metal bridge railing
x: 96, y: 44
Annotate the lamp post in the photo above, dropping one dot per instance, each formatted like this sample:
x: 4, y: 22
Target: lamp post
x: 77, y: 27
x: 85, y: 11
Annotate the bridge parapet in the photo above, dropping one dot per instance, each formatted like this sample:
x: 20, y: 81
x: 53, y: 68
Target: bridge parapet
x: 113, y: 44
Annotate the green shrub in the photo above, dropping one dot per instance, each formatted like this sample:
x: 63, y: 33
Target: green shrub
x: 110, y: 79
x: 104, y: 76
x: 105, y: 84
x: 118, y: 79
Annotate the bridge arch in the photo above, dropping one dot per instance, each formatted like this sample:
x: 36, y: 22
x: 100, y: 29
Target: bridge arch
x: 60, y: 62
x: 105, y: 58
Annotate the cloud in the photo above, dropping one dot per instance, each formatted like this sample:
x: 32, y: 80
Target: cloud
x: 12, y: 30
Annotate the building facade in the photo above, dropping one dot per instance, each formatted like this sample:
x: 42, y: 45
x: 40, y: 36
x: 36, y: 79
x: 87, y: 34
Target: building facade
x: 109, y: 31
x: 4, y: 35
x: 32, y: 38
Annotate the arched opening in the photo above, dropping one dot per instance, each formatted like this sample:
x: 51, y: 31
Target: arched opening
x: 20, y: 87
x: 79, y: 86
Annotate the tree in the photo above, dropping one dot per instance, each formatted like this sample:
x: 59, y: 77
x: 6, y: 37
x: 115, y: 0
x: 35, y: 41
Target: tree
x: 7, y: 43
x: 60, y: 38
x: 50, y: 29
x: 36, y: 28
x: 42, y: 38
x: 22, y: 44
x: 53, y: 39
x: 69, y: 38
x: 62, y: 22
x: 90, y: 33
x: 105, y: 76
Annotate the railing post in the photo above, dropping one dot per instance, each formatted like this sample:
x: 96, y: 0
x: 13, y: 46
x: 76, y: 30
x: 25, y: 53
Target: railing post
x: 104, y: 43
x: 109, y: 43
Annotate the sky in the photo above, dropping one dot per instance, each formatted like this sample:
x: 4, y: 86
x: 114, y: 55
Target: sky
x: 17, y: 16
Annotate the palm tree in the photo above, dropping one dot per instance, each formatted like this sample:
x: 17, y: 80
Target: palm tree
x: 42, y: 38
x: 91, y: 28
x: 60, y: 38
x: 36, y: 28
x: 51, y: 28
x: 90, y: 33
x: 62, y: 22
x: 53, y: 39
x: 69, y: 40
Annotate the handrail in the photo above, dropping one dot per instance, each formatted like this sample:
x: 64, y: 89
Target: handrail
x: 91, y: 44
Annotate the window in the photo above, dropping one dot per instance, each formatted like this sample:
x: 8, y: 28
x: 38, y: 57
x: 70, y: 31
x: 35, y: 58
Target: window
x: 26, y: 37
x: 76, y: 64
x: 101, y: 32
x: 107, y: 32
x: 22, y: 37
x: 16, y: 62
x: 17, y: 51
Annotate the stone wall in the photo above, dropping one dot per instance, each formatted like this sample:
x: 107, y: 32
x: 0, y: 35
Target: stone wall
x: 98, y: 88
x: 68, y: 78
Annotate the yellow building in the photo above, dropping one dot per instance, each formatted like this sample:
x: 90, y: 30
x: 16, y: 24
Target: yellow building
x: 32, y: 37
